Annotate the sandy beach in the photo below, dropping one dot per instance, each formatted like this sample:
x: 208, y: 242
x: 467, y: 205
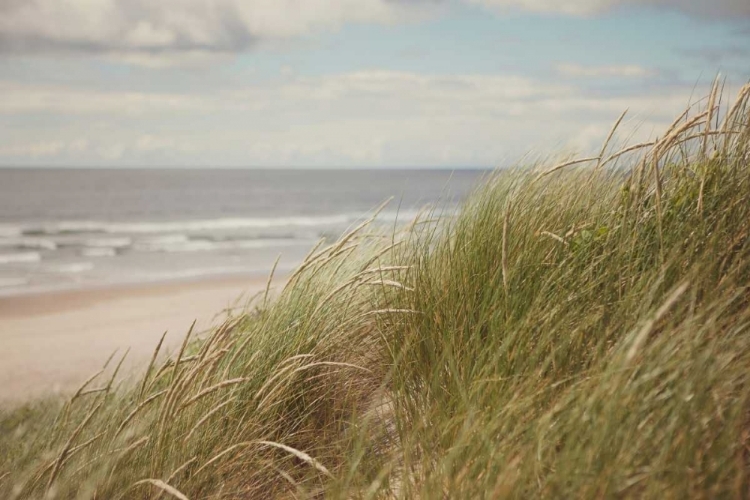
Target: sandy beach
x: 51, y: 342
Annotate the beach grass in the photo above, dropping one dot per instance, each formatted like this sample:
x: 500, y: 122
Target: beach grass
x: 580, y: 329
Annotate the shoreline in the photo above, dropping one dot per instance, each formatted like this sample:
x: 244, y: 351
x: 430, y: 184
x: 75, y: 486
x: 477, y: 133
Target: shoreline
x: 53, y: 341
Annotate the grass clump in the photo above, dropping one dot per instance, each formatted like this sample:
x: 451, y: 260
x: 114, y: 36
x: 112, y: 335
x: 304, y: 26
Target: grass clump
x: 576, y: 331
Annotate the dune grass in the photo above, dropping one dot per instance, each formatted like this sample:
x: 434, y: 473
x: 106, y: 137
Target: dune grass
x: 578, y: 330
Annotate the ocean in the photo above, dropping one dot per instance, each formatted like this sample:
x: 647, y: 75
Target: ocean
x: 77, y: 228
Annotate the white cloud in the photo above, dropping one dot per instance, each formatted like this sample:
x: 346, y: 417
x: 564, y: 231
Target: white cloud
x: 34, y: 150
x: 572, y: 7
x: 159, y: 33
x: 622, y: 71
x: 367, y: 118
x: 18, y: 98
x: 175, y: 26
x: 701, y: 8
x: 171, y: 59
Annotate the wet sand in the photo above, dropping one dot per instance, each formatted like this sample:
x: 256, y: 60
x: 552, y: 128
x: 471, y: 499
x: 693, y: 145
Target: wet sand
x: 51, y: 342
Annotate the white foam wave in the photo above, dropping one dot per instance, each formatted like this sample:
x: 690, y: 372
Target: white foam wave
x: 167, y: 239
x: 223, y: 224
x: 186, y: 226
x: 26, y: 243
x: 13, y: 282
x: 62, y: 227
x: 20, y: 258
x: 99, y: 252
x: 10, y: 230
x: 212, y: 271
x: 73, y: 268
x: 177, y: 246
x: 108, y: 242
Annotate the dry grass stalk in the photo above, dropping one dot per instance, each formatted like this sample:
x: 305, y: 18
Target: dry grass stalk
x: 164, y: 369
x: 668, y: 140
x: 183, y: 382
x: 725, y: 134
x: 309, y: 261
x: 279, y: 373
x: 344, y: 239
x: 390, y: 283
x: 177, y: 383
x: 221, y: 454
x: 116, y: 371
x: 343, y: 260
x: 709, y: 116
x: 609, y: 138
x: 388, y: 311
x: 383, y: 269
x: 265, y: 402
x: 182, y: 350
x: 137, y: 409
x: 162, y: 486
x: 314, y: 249
x: 646, y: 328
x: 216, y: 334
x: 331, y: 363
x: 85, y: 444
x: 127, y: 449
x: 270, y: 279
x: 238, y: 351
x: 677, y: 120
x: 119, y: 451
x: 554, y: 237
x: 332, y: 251
x: 209, y: 390
x: 338, y: 253
x: 626, y: 150
x: 299, y: 454
x: 207, y: 416
x: 165, y: 366
x: 504, y: 249
x: 333, y: 293
x: 657, y: 181
x: 81, y: 447
x: 213, y: 364
x: 86, y: 465
x: 181, y: 468
x: 92, y: 391
x: 168, y: 406
x: 566, y: 164
x: 380, y: 253
x: 743, y: 94
x: 86, y: 383
x: 66, y: 449
x: 150, y: 366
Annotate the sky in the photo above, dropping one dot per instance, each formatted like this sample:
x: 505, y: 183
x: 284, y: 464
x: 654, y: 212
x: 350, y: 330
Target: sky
x: 351, y: 83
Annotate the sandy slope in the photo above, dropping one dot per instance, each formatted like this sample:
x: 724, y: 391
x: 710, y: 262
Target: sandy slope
x: 52, y: 342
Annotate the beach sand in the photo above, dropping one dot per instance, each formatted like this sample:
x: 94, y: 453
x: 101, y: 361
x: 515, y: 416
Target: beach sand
x: 51, y: 342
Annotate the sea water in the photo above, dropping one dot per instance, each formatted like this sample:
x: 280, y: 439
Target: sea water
x: 77, y: 228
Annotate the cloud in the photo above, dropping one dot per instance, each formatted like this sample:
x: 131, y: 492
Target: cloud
x: 364, y: 118
x: 18, y: 98
x: 152, y: 28
x: 622, y: 71
x: 698, y: 8
x: 166, y: 32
